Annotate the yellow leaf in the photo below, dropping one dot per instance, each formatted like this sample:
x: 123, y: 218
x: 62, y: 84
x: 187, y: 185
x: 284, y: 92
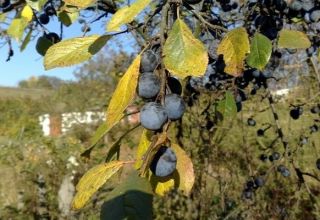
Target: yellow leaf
x: 16, y: 28
x: 27, y: 13
x: 292, y: 39
x: 142, y: 148
x: 126, y: 14
x: 234, y: 47
x: 161, y: 185
x: 123, y: 94
x: 73, y: 51
x: 92, y: 180
x: 184, y: 168
x: 184, y: 55
x: 80, y: 3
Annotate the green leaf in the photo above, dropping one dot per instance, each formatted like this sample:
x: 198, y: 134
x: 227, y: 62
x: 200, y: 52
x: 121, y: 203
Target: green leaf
x: 73, y: 51
x: 227, y: 107
x: 132, y: 199
x: 16, y: 28
x: 260, y: 51
x: 292, y: 39
x: 92, y: 180
x: 3, y: 17
x: 145, y: 141
x: 126, y: 14
x: 80, y: 3
x: 26, y: 40
x: 124, y: 93
x: 67, y: 18
x: 36, y: 4
x: 184, y: 55
x: 234, y: 48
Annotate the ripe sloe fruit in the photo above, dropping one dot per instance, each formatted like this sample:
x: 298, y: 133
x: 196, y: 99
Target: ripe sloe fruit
x: 259, y: 181
x: 50, y: 11
x: 260, y: 132
x: 153, y: 116
x: 174, y: 105
x: 44, y: 19
x: 149, y: 85
x: 275, y: 156
x: 295, y: 113
x: 315, y: 109
x: 164, y: 162
x: 174, y: 85
x: 4, y: 3
x: 149, y: 61
x: 318, y: 164
x: 251, y: 122
x: 263, y: 157
x: 313, y: 128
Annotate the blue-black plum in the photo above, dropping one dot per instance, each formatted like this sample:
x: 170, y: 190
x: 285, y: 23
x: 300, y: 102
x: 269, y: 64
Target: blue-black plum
x: 164, y: 162
x: 149, y: 61
x: 174, y: 85
x: 251, y: 122
x: 44, y: 19
x: 318, y: 164
x: 148, y: 85
x: 153, y: 116
x: 4, y: 3
x: 259, y: 181
x: 174, y: 105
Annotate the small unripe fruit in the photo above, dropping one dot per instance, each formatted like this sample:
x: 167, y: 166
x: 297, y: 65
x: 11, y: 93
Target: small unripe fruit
x: 164, y: 162
x: 149, y: 61
x: 148, y: 85
x: 175, y: 106
x: 153, y: 116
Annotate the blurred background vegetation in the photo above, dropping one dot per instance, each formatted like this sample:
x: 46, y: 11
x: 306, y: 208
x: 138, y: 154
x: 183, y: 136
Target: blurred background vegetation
x: 38, y: 173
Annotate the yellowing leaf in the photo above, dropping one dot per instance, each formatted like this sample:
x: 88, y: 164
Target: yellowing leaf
x: 234, y: 47
x: 184, y: 55
x: 260, y: 51
x: 92, y: 180
x: 292, y: 39
x: 142, y: 148
x: 123, y: 94
x: 27, y: 13
x: 37, y: 5
x: 126, y: 14
x: 73, y: 51
x: 161, y: 185
x: 184, y: 168
x: 80, y: 3
x: 16, y: 28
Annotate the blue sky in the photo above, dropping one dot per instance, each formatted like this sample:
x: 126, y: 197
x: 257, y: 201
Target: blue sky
x: 29, y: 63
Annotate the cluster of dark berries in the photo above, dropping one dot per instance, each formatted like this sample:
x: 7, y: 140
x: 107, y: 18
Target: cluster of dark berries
x: 251, y: 186
x: 274, y: 156
x: 153, y: 115
x: 44, y: 18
